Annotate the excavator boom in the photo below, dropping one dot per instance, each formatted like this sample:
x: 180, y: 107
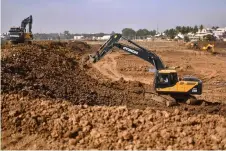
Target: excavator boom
x: 139, y: 52
x: 26, y: 21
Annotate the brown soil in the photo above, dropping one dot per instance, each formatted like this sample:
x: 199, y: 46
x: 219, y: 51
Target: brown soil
x: 43, y: 89
x: 54, y: 124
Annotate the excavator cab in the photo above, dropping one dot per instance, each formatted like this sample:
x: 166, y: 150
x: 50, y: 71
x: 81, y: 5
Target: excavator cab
x: 165, y: 79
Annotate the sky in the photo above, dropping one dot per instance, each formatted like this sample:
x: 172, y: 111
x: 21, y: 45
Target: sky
x: 92, y: 16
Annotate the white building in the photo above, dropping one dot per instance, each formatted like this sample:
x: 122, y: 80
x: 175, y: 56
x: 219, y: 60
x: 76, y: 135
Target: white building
x: 203, y: 32
x: 200, y: 34
x: 105, y: 37
x: 179, y: 36
x: 78, y: 37
x: 219, y: 32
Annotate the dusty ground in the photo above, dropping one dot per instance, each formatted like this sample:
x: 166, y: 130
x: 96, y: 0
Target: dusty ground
x: 48, y: 102
x: 211, y: 69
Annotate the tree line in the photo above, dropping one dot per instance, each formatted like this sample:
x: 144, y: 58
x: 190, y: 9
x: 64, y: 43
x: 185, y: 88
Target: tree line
x: 66, y: 35
x: 129, y: 32
x: 126, y: 32
x: 171, y: 33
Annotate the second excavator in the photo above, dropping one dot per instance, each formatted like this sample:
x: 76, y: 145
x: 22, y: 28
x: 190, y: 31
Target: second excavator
x: 19, y: 34
x: 166, y: 81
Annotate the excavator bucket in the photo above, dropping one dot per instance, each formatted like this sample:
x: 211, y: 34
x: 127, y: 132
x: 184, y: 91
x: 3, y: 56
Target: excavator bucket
x: 103, y: 50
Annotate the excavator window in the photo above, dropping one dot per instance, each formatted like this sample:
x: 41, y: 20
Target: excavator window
x: 164, y: 79
x: 173, y: 78
x: 169, y: 79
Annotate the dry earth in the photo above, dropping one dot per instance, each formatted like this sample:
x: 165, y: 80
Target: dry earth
x: 48, y: 102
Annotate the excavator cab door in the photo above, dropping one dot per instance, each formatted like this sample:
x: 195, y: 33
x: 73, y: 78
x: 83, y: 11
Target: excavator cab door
x: 165, y: 80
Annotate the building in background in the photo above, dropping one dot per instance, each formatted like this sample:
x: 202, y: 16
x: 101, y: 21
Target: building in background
x: 219, y: 32
x: 105, y: 37
x: 78, y: 37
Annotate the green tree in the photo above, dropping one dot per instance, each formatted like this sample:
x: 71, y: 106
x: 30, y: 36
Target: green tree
x: 178, y: 28
x: 171, y: 33
x: 67, y: 34
x: 190, y: 29
x: 183, y: 30
x: 142, y: 32
x: 201, y: 27
x: 152, y: 32
x: 146, y: 32
x: 195, y: 29
x: 128, y: 32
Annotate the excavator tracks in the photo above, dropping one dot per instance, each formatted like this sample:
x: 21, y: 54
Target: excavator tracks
x: 168, y: 100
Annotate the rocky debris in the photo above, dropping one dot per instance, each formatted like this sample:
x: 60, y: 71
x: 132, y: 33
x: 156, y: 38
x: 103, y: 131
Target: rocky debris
x: 55, y: 73
x: 84, y: 127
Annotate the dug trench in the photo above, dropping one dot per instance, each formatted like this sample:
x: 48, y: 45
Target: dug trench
x: 32, y: 74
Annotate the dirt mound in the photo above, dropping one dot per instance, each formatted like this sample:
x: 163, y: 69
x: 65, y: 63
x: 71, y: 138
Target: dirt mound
x: 79, y: 45
x: 47, y: 124
x: 54, y: 73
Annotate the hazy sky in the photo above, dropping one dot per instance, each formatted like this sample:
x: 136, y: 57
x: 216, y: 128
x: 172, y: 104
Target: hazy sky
x: 79, y: 16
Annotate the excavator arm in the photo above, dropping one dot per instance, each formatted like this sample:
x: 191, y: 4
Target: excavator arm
x: 139, y: 51
x: 26, y: 21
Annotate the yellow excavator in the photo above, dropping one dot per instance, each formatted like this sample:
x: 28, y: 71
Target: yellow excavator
x: 166, y: 81
x: 19, y: 34
x: 197, y: 46
x: 209, y: 47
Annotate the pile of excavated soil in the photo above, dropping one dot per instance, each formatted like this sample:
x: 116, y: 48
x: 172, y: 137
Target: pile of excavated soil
x: 55, y: 73
x: 43, y: 96
x: 47, y: 124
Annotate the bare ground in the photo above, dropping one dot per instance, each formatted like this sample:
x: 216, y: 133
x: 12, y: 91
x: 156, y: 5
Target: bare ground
x: 48, y: 102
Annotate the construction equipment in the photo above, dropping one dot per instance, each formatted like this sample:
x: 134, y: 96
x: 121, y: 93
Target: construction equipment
x: 19, y: 34
x: 197, y: 46
x: 209, y: 48
x: 166, y: 82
